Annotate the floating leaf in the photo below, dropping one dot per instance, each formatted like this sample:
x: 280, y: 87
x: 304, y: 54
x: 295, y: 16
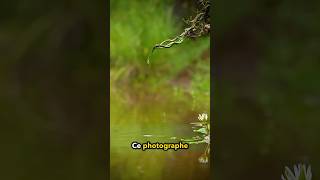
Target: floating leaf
x: 201, y: 130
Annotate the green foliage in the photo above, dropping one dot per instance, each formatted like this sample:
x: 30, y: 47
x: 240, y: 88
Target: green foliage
x: 135, y: 26
x: 134, y: 31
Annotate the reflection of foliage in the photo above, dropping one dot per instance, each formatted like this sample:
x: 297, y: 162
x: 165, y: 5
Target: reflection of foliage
x: 197, y: 26
x: 202, y: 127
x: 301, y: 172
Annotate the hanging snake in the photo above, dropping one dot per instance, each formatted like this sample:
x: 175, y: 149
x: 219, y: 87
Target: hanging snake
x: 198, y: 26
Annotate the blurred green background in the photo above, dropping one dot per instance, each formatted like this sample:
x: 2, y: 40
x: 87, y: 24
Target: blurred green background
x: 267, y: 84
x: 53, y: 90
x: 159, y: 99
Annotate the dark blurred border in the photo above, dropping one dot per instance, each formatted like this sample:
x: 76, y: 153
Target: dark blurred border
x: 108, y: 90
x: 54, y: 97
x: 212, y: 87
x: 265, y: 88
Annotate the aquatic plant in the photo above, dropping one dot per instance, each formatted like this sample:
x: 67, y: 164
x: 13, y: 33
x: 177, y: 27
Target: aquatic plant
x: 301, y: 172
x: 202, y: 128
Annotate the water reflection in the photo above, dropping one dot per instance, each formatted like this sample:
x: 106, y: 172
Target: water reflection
x: 127, y: 163
x: 142, y: 116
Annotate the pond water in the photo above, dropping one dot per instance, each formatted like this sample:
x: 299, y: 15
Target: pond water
x: 155, y: 116
x: 127, y: 163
